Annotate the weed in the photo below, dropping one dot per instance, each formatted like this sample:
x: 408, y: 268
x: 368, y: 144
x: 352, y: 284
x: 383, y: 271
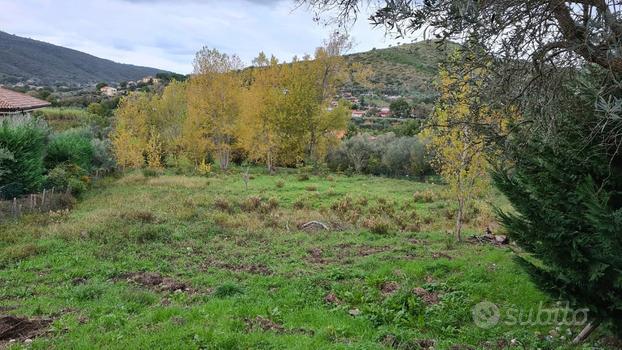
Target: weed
x: 300, y: 204
x: 362, y: 201
x: 280, y: 184
x: 426, y: 196
x: 139, y: 216
x: 378, y: 225
x: 223, y: 204
x: 311, y: 188
x: 250, y: 204
x: 303, y: 177
x: 228, y: 290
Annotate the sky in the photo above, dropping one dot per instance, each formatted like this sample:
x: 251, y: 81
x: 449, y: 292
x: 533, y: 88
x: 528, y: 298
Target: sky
x: 166, y: 34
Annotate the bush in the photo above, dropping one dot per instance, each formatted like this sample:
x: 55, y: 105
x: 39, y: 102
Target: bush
x: 103, y: 158
x: 22, y: 141
x: 381, y: 155
x: 151, y: 172
x: 70, y: 147
x: 252, y: 203
x: 378, y: 225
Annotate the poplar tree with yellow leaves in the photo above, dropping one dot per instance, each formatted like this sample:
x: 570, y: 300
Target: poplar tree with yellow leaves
x: 213, y: 106
x: 456, y: 140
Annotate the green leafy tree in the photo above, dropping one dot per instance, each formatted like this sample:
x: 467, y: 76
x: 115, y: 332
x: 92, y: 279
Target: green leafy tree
x: 97, y: 109
x: 400, y: 108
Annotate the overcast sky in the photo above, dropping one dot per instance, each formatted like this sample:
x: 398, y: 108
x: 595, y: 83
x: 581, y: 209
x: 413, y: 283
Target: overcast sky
x: 166, y: 33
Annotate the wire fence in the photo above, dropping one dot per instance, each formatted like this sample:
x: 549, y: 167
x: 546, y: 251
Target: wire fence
x: 48, y: 200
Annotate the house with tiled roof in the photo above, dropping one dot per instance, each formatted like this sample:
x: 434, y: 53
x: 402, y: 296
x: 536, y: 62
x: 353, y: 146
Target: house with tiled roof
x: 12, y: 102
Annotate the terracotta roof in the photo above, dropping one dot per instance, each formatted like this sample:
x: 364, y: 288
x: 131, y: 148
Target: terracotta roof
x: 11, y: 101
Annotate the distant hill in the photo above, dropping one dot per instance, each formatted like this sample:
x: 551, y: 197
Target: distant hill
x: 22, y: 59
x: 408, y: 70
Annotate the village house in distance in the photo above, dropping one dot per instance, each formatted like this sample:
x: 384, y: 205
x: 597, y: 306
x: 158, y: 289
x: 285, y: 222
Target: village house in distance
x: 12, y: 102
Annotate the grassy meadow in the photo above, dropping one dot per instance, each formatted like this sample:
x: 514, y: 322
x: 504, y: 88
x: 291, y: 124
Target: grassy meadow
x: 172, y: 261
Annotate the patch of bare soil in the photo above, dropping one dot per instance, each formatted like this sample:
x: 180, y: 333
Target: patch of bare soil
x: 14, y: 329
x: 389, y: 287
x: 260, y: 323
x: 315, y: 256
x: 441, y: 255
x: 429, y: 298
x: 331, y: 298
x: 264, y: 324
x: 156, y: 282
x: 257, y: 269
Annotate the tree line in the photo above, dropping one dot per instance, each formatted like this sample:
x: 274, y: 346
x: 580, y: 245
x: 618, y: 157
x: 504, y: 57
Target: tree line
x: 273, y: 113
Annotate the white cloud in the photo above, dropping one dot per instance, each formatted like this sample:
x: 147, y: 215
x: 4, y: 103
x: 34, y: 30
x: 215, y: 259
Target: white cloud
x: 166, y: 33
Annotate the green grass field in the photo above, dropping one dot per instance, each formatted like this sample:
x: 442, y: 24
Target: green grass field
x: 203, y: 263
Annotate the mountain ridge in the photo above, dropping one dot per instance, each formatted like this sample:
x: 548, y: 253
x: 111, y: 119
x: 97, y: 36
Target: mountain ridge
x: 23, y: 59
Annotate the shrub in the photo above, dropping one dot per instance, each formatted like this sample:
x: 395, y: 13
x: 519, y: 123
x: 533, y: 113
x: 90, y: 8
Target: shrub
x: 273, y: 203
x: 381, y: 155
x: 151, y: 172
x: 280, y: 184
x: 251, y: 203
x: 103, y: 159
x: 70, y: 147
x: 378, y: 224
x: 22, y: 141
x: 204, y: 168
x: 300, y: 204
x: 426, y: 196
x: 182, y: 164
x: 343, y: 206
x: 223, y: 204
x: 76, y: 186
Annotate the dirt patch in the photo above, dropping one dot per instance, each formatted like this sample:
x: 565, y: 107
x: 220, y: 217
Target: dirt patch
x: 256, y: 269
x: 331, y: 298
x: 156, y: 282
x: 263, y: 324
x: 315, y: 256
x: 20, y: 329
x: 368, y: 250
x: 79, y: 281
x: 425, y: 343
x: 429, y: 298
x: 441, y: 255
x: 260, y: 323
x: 389, y: 287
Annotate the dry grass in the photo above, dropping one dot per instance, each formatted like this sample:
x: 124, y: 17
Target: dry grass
x: 179, y: 181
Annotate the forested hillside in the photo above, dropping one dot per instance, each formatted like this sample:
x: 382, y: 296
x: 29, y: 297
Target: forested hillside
x: 22, y: 59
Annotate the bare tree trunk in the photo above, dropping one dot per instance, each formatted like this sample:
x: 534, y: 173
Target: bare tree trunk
x: 459, y: 219
x: 587, y: 330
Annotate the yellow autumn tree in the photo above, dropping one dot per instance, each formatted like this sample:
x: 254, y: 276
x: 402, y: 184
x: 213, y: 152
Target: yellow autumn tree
x: 132, y: 130
x: 170, y: 111
x: 258, y: 128
x: 289, y: 116
x: 456, y: 140
x: 213, y: 106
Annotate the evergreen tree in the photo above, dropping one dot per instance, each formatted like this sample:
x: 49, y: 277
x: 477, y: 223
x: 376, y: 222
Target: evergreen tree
x: 567, y: 196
